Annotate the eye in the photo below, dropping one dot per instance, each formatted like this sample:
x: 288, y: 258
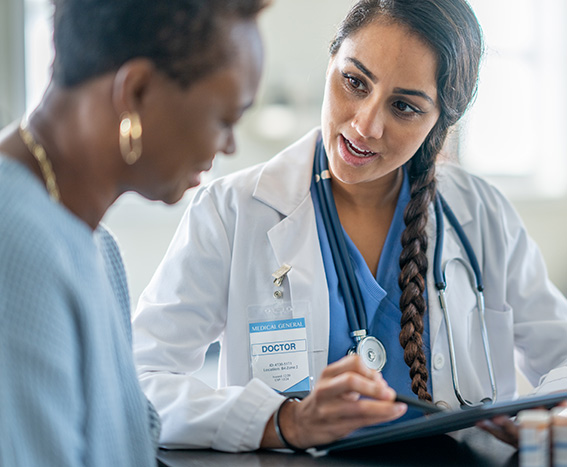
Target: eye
x: 405, y: 110
x: 354, y: 83
x: 405, y: 107
x: 229, y: 122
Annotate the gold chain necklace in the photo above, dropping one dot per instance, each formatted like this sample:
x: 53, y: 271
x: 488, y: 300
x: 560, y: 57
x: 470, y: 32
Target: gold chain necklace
x: 40, y: 155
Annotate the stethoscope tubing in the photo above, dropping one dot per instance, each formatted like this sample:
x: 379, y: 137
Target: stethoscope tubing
x: 348, y: 282
x: 442, y: 208
x: 345, y: 271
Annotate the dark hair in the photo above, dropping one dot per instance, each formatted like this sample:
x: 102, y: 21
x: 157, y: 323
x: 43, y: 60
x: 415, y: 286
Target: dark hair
x: 182, y: 37
x: 452, y: 31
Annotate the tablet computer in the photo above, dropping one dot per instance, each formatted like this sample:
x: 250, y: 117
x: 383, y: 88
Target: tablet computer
x: 439, y: 423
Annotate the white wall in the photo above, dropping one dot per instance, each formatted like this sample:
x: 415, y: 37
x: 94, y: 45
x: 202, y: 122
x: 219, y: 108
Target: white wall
x: 12, y: 77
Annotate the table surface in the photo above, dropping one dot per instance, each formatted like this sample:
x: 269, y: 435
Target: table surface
x: 469, y: 447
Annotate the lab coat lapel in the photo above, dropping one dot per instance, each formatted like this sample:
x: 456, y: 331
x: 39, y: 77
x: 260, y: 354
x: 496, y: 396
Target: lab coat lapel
x: 284, y: 185
x: 295, y: 242
x: 286, y: 178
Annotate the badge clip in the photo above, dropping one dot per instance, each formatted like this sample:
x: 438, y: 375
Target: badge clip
x: 280, y: 273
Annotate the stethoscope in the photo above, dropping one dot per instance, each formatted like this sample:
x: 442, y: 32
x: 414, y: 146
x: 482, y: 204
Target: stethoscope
x: 475, y: 276
x: 370, y: 349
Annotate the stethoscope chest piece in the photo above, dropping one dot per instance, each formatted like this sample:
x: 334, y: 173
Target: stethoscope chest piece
x: 371, y: 351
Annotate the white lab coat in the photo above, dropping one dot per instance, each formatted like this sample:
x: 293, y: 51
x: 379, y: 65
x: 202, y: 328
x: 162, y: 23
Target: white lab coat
x: 239, y: 229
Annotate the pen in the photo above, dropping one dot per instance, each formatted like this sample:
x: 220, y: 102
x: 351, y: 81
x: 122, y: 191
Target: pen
x: 425, y: 407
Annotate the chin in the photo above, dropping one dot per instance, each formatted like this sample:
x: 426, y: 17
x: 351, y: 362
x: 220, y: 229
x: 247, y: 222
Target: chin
x: 168, y: 197
x: 173, y: 198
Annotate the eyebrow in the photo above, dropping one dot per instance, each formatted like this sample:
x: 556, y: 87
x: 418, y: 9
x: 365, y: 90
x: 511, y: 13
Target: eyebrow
x: 372, y: 77
x: 363, y: 69
x: 414, y: 92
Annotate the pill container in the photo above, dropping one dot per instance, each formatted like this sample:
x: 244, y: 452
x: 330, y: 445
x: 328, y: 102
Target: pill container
x: 534, y: 438
x: 559, y: 436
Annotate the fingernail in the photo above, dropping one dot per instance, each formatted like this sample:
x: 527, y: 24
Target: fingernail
x: 400, y: 407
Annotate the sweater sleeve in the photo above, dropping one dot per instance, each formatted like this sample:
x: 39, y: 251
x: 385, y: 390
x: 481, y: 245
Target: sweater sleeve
x: 116, y: 272
x: 40, y: 386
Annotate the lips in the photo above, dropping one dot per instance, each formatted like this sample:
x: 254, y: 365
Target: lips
x: 356, y: 150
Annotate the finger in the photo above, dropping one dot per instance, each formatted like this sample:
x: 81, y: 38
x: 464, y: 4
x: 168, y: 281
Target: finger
x: 324, y: 422
x: 348, y: 363
x: 351, y: 396
x: 354, y: 382
x: 504, y: 430
x: 362, y: 413
x: 508, y: 426
x: 342, y: 428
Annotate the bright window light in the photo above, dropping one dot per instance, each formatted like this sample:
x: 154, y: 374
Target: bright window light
x: 39, y: 49
x: 515, y: 133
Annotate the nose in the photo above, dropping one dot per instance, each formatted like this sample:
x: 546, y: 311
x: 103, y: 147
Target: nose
x: 368, y: 121
x: 230, y: 143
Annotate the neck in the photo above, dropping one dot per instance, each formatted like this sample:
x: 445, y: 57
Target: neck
x: 376, y: 195
x: 85, y: 182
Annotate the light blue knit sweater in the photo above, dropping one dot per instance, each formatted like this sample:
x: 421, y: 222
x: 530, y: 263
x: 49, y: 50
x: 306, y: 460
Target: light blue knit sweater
x: 69, y: 395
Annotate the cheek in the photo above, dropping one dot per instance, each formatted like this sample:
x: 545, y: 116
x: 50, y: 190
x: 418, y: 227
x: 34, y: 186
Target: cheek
x: 413, y: 137
x: 336, y: 97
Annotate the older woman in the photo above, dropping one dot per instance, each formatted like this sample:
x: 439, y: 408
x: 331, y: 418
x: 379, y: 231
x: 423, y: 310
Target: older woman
x: 143, y: 95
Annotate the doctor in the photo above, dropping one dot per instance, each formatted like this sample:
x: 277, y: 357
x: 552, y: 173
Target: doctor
x: 258, y: 265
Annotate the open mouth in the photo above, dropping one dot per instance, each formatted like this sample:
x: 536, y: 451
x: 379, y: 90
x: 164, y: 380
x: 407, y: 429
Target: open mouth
x: 356, y: 151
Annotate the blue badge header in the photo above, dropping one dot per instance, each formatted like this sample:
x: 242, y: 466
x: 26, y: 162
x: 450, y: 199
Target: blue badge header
x: 281, y: 325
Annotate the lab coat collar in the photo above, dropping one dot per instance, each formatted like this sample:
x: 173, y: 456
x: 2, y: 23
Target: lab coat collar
x: 452, y: 190
x: 286, y: 178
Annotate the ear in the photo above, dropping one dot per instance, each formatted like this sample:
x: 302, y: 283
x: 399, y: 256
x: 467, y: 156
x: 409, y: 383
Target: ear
x: 131, y: 82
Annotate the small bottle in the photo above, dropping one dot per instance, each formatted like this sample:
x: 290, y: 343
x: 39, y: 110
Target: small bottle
x: 533, y: 428
x: 559, y: 436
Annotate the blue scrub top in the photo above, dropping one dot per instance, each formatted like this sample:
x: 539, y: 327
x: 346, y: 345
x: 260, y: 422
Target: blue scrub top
x: 381, y: 297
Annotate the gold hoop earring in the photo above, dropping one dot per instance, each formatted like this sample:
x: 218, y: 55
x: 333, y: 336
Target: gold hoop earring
x: 130, y: 137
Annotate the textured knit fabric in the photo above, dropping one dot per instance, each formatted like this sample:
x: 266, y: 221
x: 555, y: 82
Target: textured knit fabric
x: 68, y: 390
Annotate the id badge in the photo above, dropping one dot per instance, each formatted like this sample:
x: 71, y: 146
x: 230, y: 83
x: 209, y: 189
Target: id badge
x: 279, y: 348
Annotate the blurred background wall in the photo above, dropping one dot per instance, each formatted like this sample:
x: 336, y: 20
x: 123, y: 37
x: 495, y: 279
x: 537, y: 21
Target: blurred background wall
x: 515, y: 134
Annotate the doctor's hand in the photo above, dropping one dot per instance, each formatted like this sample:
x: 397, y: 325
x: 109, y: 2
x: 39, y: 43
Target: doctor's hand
x: 347, y: 396
x: 505, y: 428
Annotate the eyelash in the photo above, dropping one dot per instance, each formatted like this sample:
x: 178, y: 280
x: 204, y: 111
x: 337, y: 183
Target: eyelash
x: 414, y: 110
x: 353, y: 84
x: 228, y: 123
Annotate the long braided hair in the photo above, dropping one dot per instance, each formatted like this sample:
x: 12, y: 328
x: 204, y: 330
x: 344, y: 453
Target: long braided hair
x: 452, y: 31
